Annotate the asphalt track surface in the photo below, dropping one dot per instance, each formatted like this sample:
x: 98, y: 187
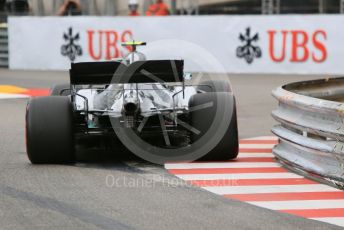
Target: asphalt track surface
x: 106, y: 192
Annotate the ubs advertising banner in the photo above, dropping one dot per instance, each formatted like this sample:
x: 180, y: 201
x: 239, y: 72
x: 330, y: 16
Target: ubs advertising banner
x: 300, y: 44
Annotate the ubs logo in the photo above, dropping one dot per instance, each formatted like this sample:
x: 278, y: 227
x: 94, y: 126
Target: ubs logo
x: 71, y: 49
x: 249, y: 50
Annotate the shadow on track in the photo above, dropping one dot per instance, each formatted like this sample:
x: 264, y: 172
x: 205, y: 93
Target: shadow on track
x: 120, y: 159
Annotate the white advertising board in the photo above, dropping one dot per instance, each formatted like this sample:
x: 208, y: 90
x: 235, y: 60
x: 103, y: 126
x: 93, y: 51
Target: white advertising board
x: 291, y: 44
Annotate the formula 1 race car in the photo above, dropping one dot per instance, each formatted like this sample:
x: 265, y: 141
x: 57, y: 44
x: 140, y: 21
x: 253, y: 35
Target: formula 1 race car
x: 150, y: 106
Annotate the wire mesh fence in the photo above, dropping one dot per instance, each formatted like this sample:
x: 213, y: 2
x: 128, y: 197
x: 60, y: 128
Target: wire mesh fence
x: 178, y: 7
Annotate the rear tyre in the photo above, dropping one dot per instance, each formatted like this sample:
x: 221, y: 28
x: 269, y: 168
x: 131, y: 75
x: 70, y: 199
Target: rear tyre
x: 228, y: 146
x: 214, y: 86
x: 60, y: 90
x: 49, y: 130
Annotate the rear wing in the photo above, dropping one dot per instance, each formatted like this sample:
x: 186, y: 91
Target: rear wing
x: 153, y: 71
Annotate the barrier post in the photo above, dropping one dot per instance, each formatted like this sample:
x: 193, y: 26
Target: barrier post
x: 3, y: 46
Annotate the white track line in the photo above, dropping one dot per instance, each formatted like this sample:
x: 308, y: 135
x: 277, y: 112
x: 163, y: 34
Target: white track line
x: 331, y: 220
x: 256, y: 146
x: 222, y: 190
x: 300, y: 204
x: 255, y: 155
x: 237, y: 176
x: 222, y: 165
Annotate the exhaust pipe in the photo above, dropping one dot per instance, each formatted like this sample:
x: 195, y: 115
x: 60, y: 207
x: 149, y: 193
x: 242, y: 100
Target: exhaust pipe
x: 130, y: 108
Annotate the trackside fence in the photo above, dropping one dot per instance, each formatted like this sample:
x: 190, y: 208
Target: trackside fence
x: 311, y: 128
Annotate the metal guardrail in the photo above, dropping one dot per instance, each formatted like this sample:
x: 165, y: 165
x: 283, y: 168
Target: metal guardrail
x: 3, y: 45
x: 311, y: 129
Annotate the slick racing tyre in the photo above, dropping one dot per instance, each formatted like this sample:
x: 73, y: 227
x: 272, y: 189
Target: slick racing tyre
x: 49, y: 130
x: 60, y: 90
x: 228, y: 145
